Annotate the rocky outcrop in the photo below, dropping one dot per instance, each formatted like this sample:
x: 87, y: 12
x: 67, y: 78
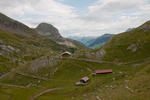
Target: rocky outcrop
x: 52, y: 33
x: 145, y: 27
x: 8, y: 49
x: 101, y: 53
x: 132, y: 47
x: 36, y: 65
x: 129, y: 29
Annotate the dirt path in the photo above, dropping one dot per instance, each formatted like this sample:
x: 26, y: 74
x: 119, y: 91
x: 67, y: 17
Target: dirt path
x: 43, y: 92
x: 146, y: 60
x: 9, y: 85
x: 92, y: 60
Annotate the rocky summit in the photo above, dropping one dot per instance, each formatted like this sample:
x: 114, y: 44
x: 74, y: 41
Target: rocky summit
x: 52, y: 33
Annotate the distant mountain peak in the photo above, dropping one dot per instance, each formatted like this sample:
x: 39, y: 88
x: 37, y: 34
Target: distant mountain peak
x: 47, y: 27
x: 52, y: 33
x: 100, y: 40
x: 49, y: 30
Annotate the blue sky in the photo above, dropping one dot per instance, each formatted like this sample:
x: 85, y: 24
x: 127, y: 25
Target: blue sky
x: 80, y: 5
x: 80, y: 17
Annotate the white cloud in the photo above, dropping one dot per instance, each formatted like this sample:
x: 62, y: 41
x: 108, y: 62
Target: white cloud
x: 104, y: 16
x: 118, y: 15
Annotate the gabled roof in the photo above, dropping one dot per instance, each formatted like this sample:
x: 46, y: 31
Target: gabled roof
x: 103, y: 71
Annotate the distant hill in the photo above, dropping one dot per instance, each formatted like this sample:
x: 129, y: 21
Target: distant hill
x: 93, y: 42
x: 84, y: 40
x: 98, y: 42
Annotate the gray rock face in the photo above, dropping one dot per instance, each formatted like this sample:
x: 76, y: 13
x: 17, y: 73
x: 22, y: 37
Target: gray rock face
x: 8, y: 48
x: 129, y: 29
x: 146, y: 26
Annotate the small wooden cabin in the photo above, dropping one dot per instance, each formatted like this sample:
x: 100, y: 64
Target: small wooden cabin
x: 103, y: 71
x: 66, y: 54
x: 83, y: 81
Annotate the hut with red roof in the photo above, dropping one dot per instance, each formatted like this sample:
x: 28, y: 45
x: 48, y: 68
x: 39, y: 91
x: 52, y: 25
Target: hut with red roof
x: 106, y: 71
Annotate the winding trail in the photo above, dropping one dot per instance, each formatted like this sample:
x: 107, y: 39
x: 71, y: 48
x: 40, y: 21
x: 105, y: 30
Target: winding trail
x: 16, y: 86
x: 43, y: 92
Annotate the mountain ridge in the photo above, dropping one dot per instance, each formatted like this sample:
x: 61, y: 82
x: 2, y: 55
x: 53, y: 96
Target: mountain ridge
x: 20, y: 29
x: 128, y: 46
x: 13, y: 26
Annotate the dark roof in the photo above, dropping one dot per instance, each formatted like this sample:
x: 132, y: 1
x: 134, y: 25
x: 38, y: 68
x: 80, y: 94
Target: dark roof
x: 103, y: 71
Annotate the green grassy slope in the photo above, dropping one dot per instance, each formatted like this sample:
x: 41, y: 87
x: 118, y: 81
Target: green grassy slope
x: 26, y: 49
x: 68, y: 73
x: 135, y: 87
x: 129, y: 46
